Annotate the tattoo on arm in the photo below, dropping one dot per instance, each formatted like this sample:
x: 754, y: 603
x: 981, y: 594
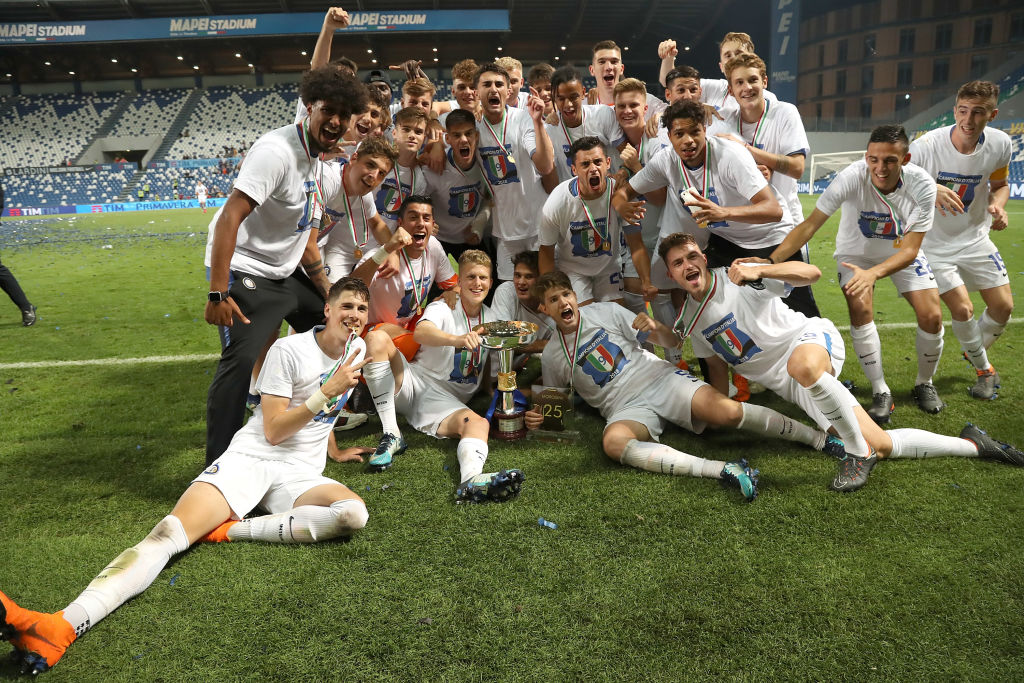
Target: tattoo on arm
x: 313, y: 268
x: 782, y: 164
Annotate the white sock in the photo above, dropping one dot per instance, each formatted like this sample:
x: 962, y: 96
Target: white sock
x: 305, y: 524
x: 969, y: 336
x: 833, y: 400
x: 990, y: 329
x: 472, y: 454
x: 772, y: 423
x: 868, y: 348
x: 127, y: 575
x: 929, y: 351
x: 656, y: 457
x: 917, y: 443
x: 381, y: 384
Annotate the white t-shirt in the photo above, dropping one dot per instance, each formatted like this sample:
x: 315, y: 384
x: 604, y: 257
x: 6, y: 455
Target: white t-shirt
x: 295, y: 367
x: 201, y: 192
x: 715, y: 91
x: 733, y: 179
x: 511, y: 175
x: 598, y: 120
x: 506, y: 306
x: 866, y: 227
x: 458, y: 196
x: 389, y: 197
x: 967, y: 175
x: 649, y: 147
x: 746, y: 326
x: 393, y: 299
x: 582, y: 247
x: 282, y: 180
x: 780, y: 131
x: 457, y: 370
x: 337, y: 228
x: 609, y: 366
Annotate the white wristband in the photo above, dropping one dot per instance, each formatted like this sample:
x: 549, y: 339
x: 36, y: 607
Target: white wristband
x: 317, y: 401
x: 380, y: 256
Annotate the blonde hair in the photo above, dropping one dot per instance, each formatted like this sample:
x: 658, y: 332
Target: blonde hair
x: 509, y: 64
x: 746, y: 60
x: 418, y: 86
x: 630, y: 85
x: 737, y: 37
x: 474, y: 257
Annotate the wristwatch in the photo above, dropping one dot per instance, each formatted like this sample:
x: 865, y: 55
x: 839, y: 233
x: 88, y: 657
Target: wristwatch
x: 217, y: 297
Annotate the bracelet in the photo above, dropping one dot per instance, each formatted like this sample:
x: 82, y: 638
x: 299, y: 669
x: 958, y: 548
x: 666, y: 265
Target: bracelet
x: 316, y: 402
x: 380, y: 256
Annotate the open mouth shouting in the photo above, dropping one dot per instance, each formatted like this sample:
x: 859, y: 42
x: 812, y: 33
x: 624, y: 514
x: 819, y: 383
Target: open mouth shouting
x: 567, y: 314
x: 463, y: 153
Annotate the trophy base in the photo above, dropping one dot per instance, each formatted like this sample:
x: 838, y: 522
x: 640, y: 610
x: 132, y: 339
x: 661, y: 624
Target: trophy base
x: 508, y: 426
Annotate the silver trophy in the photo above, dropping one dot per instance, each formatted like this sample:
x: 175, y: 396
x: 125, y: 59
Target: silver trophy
x: 504, y: 337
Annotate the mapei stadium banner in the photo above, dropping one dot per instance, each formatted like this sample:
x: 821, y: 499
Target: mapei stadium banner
x: 114, y: 30
x: 785, y: 45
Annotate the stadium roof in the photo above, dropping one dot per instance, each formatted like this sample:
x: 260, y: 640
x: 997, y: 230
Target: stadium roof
x: 539, y: 30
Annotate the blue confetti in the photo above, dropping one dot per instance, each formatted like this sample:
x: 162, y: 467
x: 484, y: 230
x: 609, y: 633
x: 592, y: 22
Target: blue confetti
x: 174, y: 578
x: 57, y: 328
x: 138, y: 447
x: 546, y: 524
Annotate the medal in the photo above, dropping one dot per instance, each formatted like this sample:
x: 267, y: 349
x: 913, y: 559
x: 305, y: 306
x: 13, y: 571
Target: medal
x: 358, y: 253
x: 511, y: 159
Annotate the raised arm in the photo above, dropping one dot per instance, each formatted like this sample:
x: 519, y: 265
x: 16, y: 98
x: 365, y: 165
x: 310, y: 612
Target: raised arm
x: 335, y: 18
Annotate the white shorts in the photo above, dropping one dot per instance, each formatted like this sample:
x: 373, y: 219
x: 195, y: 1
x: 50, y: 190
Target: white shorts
x: 246, y: 482
x: 506, y: 249
x: 916, y: 276
x: 669, y: 399
x: 605, y: 286
x: 978, y: 268
x: 822, y: 332
x: 338, y: 264
x: 424, y: 402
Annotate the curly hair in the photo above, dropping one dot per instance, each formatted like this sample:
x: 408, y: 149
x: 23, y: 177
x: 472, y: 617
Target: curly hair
x: 340, y: 90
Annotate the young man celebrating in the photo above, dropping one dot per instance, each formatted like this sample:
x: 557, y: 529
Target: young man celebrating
x: 733, y: 316
x: 275, y: 461
x: 352, y: 227
x: 887, y: 207
x: 539, y: 80
x: 515, y: 300
x: 398, y: 300
x: 595, y: 353
x: 607, y: 67
x: 406, y: 178
x: 460, y: 191
x: 260, y: 235
x: 580, y: 233
x: 577, y: 120
x: 516, y: 152
x: 463, y: 89
x: 969, y: 162
x: 516, y: 96
x: 431, y: 391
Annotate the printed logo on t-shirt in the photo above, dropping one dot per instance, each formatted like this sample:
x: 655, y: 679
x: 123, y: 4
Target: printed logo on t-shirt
x: 730, y: 342
x: 309, y: 213
x: 498, y: 165
x: 963, y: 185
x: 407, y: 308
x: 586, y: 241
x: 464, y: 201
x: 389, y: 199
x: 877, y: 225
x: 601, y: 359
x: 464, y: 370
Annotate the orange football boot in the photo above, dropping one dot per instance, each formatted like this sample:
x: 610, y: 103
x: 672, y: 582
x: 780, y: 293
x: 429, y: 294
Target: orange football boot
x: 40, y: 638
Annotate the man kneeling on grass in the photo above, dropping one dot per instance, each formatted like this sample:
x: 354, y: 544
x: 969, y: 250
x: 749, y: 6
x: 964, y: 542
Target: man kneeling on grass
x: 595, y: 352
x: 736, y: 316
x: 275, y: 461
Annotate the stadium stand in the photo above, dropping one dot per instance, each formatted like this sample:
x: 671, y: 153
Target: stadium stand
x: 41, y: 130
x: 1017, y: 158
x: 161, y: 182
x: 152, y: 112
x: 228, y: 116
x: 55, y: 189
x: 1009, y: 85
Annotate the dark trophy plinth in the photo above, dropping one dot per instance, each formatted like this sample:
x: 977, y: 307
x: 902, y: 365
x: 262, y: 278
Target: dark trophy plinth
x: 504, y: 337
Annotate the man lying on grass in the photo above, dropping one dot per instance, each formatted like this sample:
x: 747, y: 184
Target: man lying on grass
x: 735, y: 316
x: 596, y: 353
x: 275, y: 461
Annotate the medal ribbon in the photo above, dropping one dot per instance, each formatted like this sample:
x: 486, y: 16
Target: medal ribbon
x: 757, y: 127
x: 688, y: 327
x: 351, y: 221
x: 565, y: 131
x: 892, y: 210
x: 607, y: 216
x: 334, y: 401
x: 469, y: 326
x: 303, y: 130
x: 571, y: 360
x: 398, y: 184
x: 418, y: 290
x: 707, y: 168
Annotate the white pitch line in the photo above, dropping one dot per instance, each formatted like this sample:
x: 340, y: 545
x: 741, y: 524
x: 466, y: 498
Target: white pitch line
x: 213, y: 356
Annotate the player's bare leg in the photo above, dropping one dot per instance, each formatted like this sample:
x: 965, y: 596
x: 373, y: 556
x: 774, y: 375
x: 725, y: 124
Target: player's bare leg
x: 998, y: 307
x: 929, y: 347
x: 868, y: 347
x: 629, y: 442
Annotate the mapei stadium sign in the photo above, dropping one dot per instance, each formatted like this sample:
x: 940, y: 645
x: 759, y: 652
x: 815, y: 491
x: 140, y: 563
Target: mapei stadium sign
x: 295, y: 23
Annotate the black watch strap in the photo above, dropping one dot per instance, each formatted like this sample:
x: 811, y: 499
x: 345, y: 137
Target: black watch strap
x: 217, y: 297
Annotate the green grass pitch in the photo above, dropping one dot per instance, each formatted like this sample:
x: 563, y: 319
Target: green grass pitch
x: 647, y: 577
